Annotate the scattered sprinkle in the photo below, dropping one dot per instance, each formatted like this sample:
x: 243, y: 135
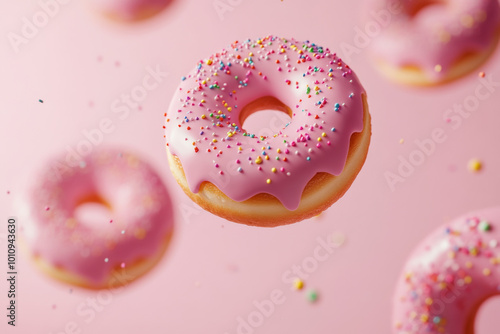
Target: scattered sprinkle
x: 312, y: 296
x: 474, y: 165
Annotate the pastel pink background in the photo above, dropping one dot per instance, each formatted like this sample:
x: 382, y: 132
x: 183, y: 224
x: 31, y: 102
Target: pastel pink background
x: 215, y: 269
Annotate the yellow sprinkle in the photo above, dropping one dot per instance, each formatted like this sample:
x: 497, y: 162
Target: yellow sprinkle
x: 330, y: 74
x: 204, y: 82
x: 424, y: 317
x: 214, y: 140
x: 240, y: 149
x: 268, y: 181
x: 267, y: 157
x: 323, y: 134
x: 486, y: 272
x: 209, y: 62
x: 316, y: 88
x: 473, y: 251
x: 245, y: 60
x: 319, y: 139
x: 468, y: 279
x: 438, y: 68
x: 428, y: 301
x: 229, y: 109
x: 229, y: 134
x: 401, y: 141
x: 203, y: 101
x: 474, y: 165
x: 203, y: 116
x: 250, y: 54
x: 273, y: 169
x: 258, y: 161
x: 278, y: 150
x: 298, y: 284
x: 282, y: 50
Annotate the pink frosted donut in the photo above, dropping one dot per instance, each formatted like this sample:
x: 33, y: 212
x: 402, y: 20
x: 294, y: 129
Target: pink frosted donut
x: 268, y: 181
x: 449, y: 275
x: 129, y: 10
x: 110, y: 253
x: 433, y: 41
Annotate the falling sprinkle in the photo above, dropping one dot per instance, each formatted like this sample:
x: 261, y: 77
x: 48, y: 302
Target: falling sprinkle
x: 298, y: 284
x: 312, y: 296
x: 337, y: 238
x: 474, y: 165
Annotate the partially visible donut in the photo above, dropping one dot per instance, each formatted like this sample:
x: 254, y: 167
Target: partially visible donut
x: 110, y: 253
x: 129, y: 10
x: 449, y: 275
x: 268, y: 181
x: 429, y: 42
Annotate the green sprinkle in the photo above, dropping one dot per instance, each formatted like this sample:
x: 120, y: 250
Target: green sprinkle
x: 484, y: 226
x: 308, y: 90
x: 312, y: 296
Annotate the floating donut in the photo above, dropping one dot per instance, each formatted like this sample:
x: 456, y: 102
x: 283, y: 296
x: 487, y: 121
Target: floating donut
x: 432, y: 41
x: 110, y: 253
x: 449, y: 275
x: 281, y: 179
x: 129, y: 10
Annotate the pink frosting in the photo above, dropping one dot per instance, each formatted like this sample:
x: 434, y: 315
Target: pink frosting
x: 203, y: 127
x: 128, y: 9
x: 437, y: 34
x: 449, y: 275
x: 140, y: 205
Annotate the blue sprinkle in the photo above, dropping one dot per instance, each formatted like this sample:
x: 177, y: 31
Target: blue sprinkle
x: 240, y: 169
x: 201, y: 133
x: 333, y: 129
x: 308, y: 158
x: 183, y: 78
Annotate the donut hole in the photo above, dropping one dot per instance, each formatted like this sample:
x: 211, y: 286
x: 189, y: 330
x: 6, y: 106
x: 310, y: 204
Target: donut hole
x: 265, y: 116
x: 416, y: 7
x: 486, y: 321
x: 93, y: 211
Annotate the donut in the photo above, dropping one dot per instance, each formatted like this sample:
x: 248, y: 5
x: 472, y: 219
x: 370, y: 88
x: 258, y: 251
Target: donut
x: 275, y: 180
x: 128, y: 10
x: 105, y: 254
x: 449, y: 275
x: 432, y: 41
